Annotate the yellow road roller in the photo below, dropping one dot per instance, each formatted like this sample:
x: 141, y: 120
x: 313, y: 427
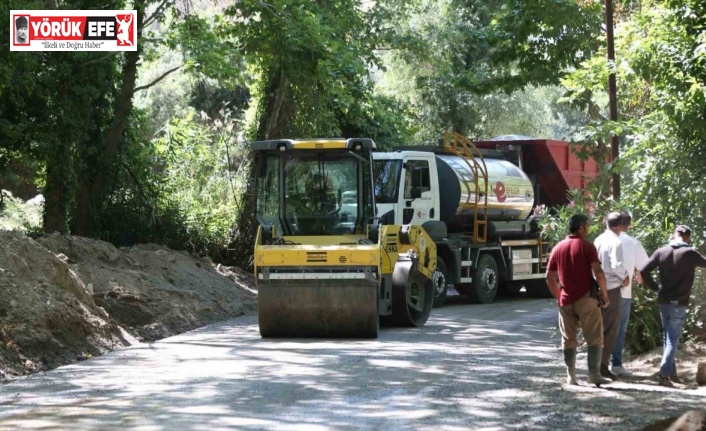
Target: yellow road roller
x: 324, y: 265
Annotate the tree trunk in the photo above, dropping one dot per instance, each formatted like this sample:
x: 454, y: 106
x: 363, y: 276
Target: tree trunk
x: 56, y: 192
x: 93, y: 185
x: 240, y: 248
x: 84, y: 209
x: 272, y: 123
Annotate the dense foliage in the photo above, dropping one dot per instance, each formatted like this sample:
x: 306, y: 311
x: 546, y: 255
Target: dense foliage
x: 151, y: 145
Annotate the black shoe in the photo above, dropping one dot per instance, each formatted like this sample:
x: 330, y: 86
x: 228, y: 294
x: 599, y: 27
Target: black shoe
x: 608, y: 375
x: 675, y: 379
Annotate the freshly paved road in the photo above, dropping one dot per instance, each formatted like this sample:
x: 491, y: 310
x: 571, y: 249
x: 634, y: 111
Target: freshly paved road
x: 488, y: 367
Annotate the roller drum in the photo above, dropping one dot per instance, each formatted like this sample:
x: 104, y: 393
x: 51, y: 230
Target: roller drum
x: 318, y: 308
x: 412, y: 296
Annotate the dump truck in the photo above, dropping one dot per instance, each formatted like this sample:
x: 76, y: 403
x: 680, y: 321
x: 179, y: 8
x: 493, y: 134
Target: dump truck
x: 477, y: 206
x: 323, y: 264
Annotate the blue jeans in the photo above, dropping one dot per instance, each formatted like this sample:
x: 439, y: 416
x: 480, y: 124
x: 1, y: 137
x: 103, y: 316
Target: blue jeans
x: 673, y: 316
x: 617, y: 360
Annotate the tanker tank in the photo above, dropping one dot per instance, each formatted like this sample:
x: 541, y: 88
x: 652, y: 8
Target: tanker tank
x: 510, y: 192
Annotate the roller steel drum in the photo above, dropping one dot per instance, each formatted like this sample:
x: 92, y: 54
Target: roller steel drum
x: 412, y: 296
x: 318, y: 308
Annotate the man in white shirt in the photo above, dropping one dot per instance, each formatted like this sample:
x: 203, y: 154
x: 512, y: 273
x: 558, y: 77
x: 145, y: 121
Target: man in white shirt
x: 610, y: 253
x: 635, y: 257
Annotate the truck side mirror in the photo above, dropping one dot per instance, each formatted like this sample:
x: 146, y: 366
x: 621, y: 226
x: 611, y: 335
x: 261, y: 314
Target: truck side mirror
x: 416, y: 193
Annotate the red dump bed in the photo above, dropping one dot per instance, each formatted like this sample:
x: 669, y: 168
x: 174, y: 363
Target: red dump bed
x: 550, y: 164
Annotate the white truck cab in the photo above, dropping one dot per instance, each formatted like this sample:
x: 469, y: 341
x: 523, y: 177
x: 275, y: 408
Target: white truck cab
x: 404, y: 188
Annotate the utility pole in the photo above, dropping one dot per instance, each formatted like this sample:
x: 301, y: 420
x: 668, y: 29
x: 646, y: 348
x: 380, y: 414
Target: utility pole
x: 612, y: 94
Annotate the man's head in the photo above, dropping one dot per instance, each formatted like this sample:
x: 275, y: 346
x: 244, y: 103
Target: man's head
x: 614, y: 221
x: 682, y: 232
x: 627, y: 220
x: 578, y: 225
x: 21, y: 27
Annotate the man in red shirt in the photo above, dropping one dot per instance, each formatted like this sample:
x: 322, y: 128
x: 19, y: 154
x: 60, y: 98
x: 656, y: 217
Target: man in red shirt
x: 574, y: 261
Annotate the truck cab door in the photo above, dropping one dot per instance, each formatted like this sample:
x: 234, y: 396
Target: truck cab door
x: 418, y: 200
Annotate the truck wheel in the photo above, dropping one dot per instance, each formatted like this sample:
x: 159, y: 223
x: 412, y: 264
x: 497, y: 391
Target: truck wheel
x: 485, y: 280
x: 440, y: 281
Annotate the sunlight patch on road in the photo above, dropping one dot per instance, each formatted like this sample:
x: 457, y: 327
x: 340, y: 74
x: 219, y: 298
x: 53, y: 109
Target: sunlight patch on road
x: 214, y: 409
x: 477, y: 408
x: 507, y: 394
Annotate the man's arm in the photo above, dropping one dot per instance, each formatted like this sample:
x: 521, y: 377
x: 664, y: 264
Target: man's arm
x: 641, y: 259
x: 617, y: 263
x: 551, y: 278
x: 700, y: 260
x: 600, y: 278
x: 646, y: 271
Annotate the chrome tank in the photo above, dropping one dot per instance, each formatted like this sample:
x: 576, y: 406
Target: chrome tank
x: 510, y: 191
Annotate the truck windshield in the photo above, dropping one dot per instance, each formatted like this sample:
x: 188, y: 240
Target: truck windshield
x: 386, y: 174
x: 320, y: 194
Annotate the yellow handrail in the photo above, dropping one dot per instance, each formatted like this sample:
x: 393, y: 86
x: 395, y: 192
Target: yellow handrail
x: 464, y: 148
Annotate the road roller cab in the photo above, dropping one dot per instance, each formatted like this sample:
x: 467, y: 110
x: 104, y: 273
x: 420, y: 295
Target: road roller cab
x: 323, y: 265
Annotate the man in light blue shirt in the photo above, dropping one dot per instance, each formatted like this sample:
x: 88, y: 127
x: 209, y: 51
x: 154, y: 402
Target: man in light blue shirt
x: 610, y: 253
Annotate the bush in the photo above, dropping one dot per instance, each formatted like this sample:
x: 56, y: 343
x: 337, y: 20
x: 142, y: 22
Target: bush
x: 20, y: 215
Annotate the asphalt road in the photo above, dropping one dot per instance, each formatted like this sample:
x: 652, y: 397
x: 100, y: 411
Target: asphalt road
x: 488, y: 367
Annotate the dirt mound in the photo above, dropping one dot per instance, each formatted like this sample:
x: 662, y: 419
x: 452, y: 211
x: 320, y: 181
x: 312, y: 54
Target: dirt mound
x: 47, y: 318
x: 65, y: 298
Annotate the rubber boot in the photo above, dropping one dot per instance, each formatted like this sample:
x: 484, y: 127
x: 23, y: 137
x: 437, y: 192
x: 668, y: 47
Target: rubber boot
x: 594, y: 366
x: 570, y: 360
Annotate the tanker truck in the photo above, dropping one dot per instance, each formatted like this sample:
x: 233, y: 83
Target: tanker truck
x: 476, y: 207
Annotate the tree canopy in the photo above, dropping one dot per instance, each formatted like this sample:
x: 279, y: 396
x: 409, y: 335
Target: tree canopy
x: 150, y: 145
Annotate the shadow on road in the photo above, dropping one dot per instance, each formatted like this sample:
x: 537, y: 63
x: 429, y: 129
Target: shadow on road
x: 493, y: 366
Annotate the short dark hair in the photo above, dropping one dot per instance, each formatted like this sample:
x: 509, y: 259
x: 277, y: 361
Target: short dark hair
x: 683, y: 230
x: 614, y: 219
x: 627, y: 218
x: 576, y: 221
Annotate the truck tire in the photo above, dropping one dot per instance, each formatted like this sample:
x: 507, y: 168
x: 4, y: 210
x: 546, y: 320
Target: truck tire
x: 538, y: 289
x: 440, y: 281
x: 485, y: 280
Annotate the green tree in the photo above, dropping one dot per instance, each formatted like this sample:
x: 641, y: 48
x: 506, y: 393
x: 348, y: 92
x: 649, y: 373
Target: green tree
x: 483, y: 68
x: 73, y: 112
x: 310, y: 63
x: 661, y: 54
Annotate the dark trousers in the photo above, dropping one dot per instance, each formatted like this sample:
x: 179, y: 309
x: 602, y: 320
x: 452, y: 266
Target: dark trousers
x: 611, y: 325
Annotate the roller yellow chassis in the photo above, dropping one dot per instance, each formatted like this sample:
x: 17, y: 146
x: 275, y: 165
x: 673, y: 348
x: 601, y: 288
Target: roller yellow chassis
x: 393, y: 242
x: 346, y: 250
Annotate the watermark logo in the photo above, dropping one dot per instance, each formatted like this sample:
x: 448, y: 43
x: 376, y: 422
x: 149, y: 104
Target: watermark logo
x: 73, y: 30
